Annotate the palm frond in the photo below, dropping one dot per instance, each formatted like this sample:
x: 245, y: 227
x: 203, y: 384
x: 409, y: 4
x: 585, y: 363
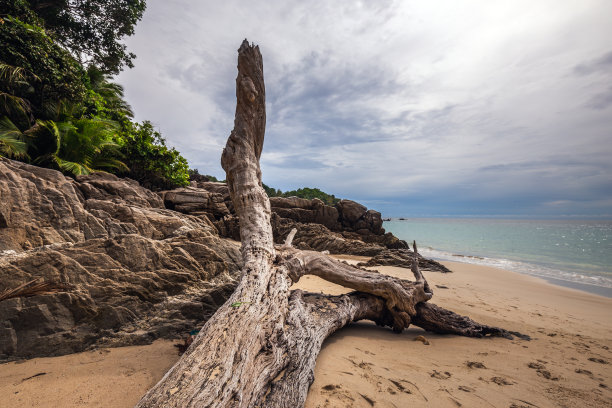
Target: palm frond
x: 33, y: 288
x: 14, y: 105
x: 110, y: 163
x: 74, y: 168
x: 11, y: 140
x: 15, y: 75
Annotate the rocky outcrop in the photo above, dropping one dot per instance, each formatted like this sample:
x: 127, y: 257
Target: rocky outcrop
x: 137, y: 271
x: 319, y: 238
x: 212, y: 199
x: 306, y: 211
x: 353, y: 221
x: 403, y: 258
x: 141, y: 265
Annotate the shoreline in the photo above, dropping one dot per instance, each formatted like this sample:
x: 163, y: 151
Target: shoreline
x: 592, y: 288
x: 363, y: 364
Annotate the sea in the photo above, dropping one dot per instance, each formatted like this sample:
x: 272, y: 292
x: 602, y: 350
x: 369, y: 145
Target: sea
x: 571, y: 253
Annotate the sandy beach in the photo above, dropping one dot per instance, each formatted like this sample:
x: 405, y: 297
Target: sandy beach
x: 566, y: 364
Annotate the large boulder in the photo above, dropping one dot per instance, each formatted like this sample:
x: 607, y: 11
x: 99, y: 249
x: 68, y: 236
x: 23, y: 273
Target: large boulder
x: 350, y: 211
x: 41, y: 207
x: 135, y: 270
x: 356, y: 217
x: 373, y: 221
x: 306, y: 211
x: 196, y: 201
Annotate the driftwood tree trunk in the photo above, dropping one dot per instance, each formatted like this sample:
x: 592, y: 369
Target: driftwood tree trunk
x: 259, y: 348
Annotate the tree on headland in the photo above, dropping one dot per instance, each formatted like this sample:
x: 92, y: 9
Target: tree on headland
x: 259, y: 348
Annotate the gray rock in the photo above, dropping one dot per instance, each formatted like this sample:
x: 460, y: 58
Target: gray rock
x: 138, y: 271
x: 350, y: 211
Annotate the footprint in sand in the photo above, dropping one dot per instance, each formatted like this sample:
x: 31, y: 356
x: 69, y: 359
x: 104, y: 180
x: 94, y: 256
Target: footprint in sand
x: 501, y: 381
x: 598, y: 360
x: 440, y: 376
x: 334, y: 391
x: 405, y: 386
x: 542, y: 371
x: 400, y: 387
x: 474, y: 364
x: 585, y: 372
x: 368, y: 399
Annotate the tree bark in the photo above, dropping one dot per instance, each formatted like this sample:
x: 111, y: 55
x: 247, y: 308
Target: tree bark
x: 259, y: 348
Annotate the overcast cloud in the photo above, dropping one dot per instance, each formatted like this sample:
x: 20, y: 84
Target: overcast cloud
x: 413, y: 108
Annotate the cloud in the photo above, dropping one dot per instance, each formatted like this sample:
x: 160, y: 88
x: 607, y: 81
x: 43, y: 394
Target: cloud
x: 413, y: 107
x: 601, y: 101
x: 603, y: 63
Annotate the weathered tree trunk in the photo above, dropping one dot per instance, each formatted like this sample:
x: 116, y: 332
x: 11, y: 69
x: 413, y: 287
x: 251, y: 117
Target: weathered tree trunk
x: 260, y: 347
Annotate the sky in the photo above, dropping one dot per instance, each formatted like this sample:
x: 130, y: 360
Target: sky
x: 413, y: 108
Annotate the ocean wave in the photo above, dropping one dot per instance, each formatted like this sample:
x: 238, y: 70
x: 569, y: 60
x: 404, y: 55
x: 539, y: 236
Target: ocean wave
x: 521, y: 267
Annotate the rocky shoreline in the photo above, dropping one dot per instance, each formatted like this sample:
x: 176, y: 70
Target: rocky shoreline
x: 142, y: 265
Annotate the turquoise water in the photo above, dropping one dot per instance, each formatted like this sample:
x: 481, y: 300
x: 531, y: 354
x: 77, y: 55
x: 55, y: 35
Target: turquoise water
x: 573, y: 251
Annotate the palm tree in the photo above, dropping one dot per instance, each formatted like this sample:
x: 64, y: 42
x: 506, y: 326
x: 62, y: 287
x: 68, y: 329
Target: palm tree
x: 87, y: 145
x: 76, y: 146
x: 111, y: 93
x: 12, y: 143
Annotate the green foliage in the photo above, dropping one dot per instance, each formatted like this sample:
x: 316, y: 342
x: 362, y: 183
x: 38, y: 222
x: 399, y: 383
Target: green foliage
x: 271, y: 191
x: 194, y: 174
x: 11, y: 140
x: 45, y: 71
x: 76, y: 146
x: 105, y: 98
x: 150, y: 161
x: 91, y: 29
x: 55, y: 112
x: 311, y: 193
x: 87, y: 145
x: 306, y: 192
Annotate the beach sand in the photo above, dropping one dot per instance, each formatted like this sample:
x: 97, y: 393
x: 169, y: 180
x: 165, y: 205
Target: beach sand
x: 568, y: 363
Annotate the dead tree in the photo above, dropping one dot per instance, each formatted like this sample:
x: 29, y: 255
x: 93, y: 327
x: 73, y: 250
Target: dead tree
x: 259, y: 348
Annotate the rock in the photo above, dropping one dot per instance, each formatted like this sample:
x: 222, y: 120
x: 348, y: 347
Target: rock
x: 350, y: 211
x: 306, y: 211
x: 403, y: 258
x: 139, y: 271
x: 196, y: 201
x: 142, y: 265
x: 215, y: 187
x: 373, y: 221
x: 320, y: 238
x: 43, y: 207
x: 422, y: 339
x: 291, y: 203
x: 108, y: 187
